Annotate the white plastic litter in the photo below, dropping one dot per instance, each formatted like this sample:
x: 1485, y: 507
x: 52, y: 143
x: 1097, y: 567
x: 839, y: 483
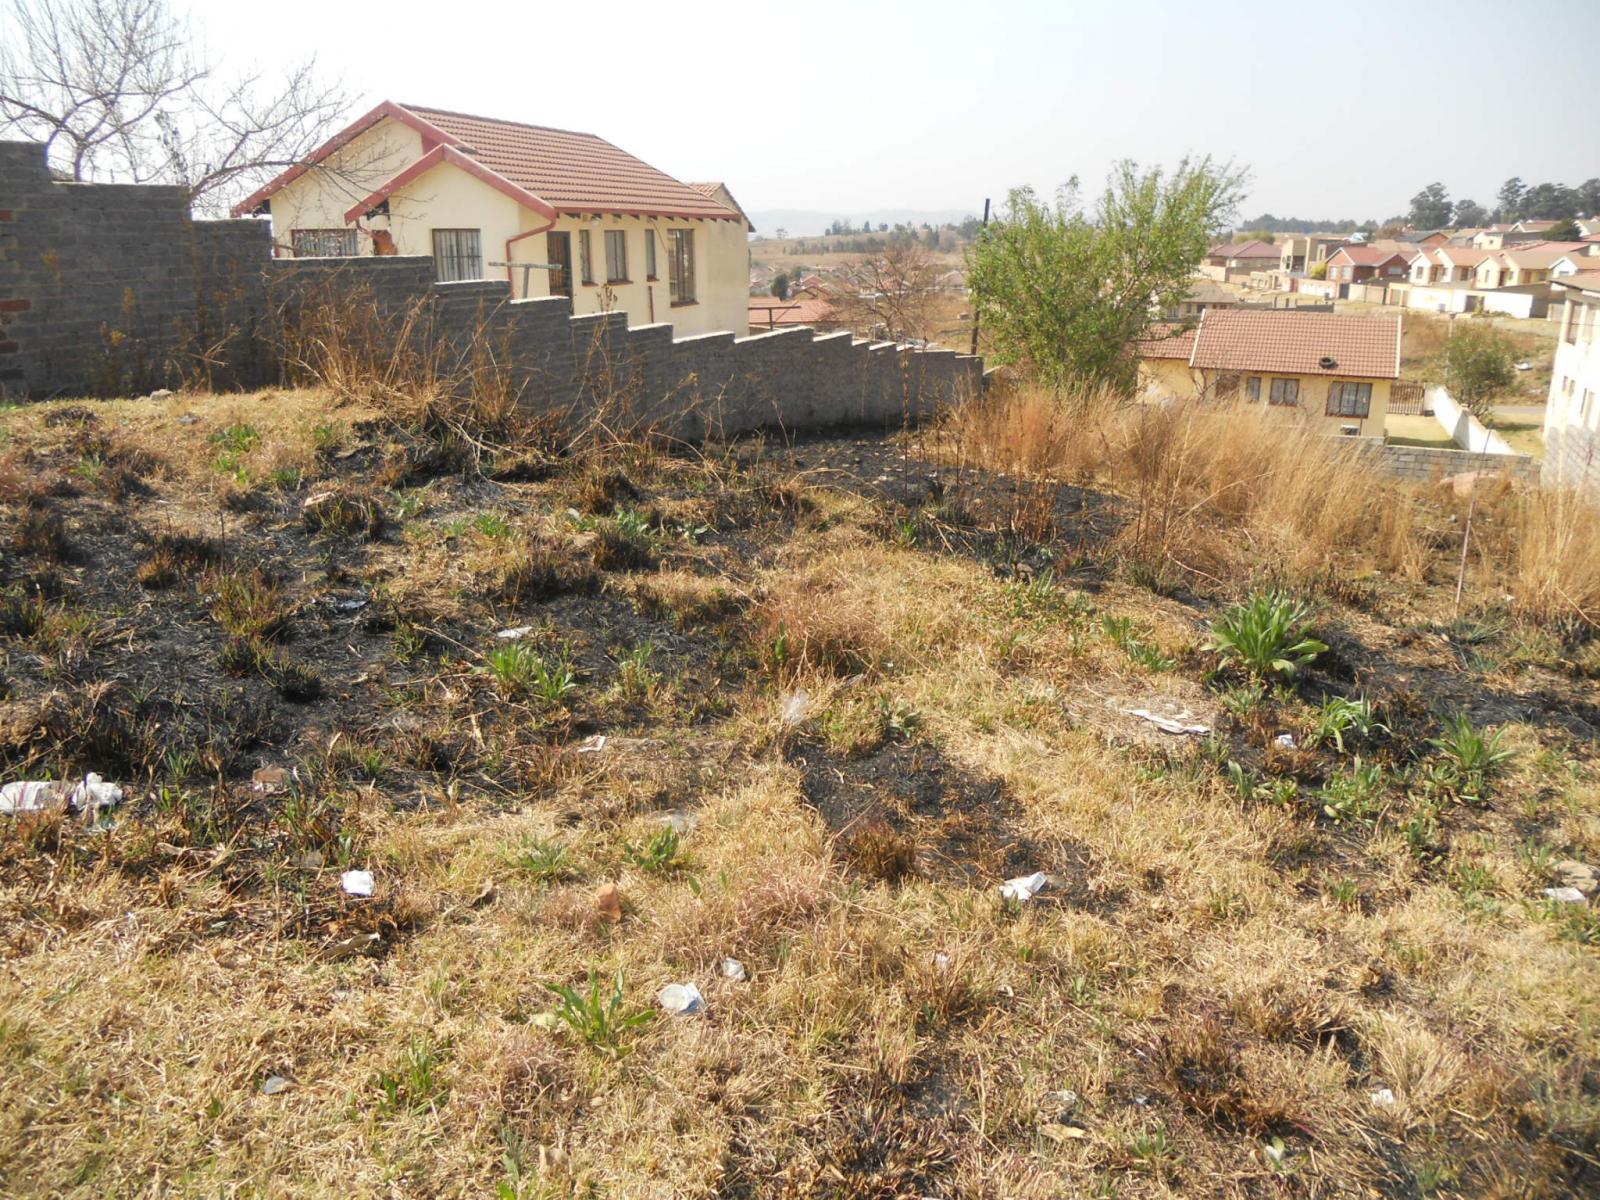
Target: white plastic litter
x: 942, y: 961
x: 91, y: 795
x: 733, y: 969
x: 1565, y: 895
x: 592, y: 745
x: 515, y: 632
x: 679, y: 821
x: 1174, y: 724
x: 682, y: 999
x: 1284, y: 741
x: 274, y: 1085
x: 356, y: 883
x: 795, y: 708
x: 1025, y: 887
x: 1383, y: 1098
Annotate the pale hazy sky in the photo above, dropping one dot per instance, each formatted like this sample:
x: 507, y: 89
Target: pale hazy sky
x: 1340, y: 110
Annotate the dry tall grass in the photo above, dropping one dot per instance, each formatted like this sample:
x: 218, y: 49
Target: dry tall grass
x: 1212, y: 488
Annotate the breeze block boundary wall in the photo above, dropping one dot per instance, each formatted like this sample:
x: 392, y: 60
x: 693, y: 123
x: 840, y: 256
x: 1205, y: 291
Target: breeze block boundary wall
x: 115, y: 289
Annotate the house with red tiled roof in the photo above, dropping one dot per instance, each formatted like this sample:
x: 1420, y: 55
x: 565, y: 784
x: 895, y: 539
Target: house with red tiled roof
x: 1333, y: 369
x: 553, y: 211
x: 1358, y: 264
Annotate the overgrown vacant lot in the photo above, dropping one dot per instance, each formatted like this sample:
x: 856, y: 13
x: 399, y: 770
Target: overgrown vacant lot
x: 847, y: 689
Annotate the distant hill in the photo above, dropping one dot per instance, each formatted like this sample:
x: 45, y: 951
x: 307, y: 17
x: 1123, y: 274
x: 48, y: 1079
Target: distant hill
x: 799, y: 222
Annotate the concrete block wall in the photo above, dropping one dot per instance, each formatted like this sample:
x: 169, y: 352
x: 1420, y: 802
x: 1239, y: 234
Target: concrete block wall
x: 1423, y: 464
x: 114, y: 289
x: 1572, y: 459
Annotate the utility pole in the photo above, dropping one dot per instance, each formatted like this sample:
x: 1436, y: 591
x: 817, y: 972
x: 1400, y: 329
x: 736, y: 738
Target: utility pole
x: 973, y: 294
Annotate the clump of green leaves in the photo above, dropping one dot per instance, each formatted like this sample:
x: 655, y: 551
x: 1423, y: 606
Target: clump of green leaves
x: 1354, y: 796
x: 520, y: 670
x: 663, y: 854
x: 1469, y: 757
x: 599, y: 1018
x: 414, y: 1086
x: 1339, y: 716
x: 1266, y: 635
x: 548, y: 862
x: 1131, y: 639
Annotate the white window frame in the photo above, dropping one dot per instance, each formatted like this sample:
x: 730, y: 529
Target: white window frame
x: 649, y: 253
x: 1284, y: 392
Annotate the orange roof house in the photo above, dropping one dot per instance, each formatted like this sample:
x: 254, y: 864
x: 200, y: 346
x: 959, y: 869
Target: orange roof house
x: 1330, y: 368
x: 555, y: 211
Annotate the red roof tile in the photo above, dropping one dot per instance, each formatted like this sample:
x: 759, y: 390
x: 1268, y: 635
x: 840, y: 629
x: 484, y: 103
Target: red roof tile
x: 1292, y: 343
x: 1366, y: 256
x: 768, y: 312
x: 1168, y: 341
x: 573, y: 172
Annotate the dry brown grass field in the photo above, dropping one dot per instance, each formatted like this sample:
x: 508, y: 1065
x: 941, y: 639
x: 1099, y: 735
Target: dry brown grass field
x: 848, y: 686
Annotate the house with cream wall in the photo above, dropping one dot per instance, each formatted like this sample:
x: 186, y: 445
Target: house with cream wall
x: 1334, y: 370
x: 554, y: 212
x: 1572, y: 411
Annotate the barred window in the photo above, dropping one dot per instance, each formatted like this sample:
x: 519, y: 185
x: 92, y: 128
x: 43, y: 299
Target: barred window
x: 585, y: 256
x: 616, y: 256
x: 680, y: 266
x: 324, y: 243
x: 457, y: 255
x: 649, y: 253
x: 1284, y: 391
x: 1349, y: 399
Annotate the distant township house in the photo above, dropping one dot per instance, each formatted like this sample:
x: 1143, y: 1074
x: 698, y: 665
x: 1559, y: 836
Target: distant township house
x: 1236, y: 260
x: 1358, y: 264
x: 1572, y: 411
x: 1335, y: 370
x: 555, y: 212
x: 1204, y: 295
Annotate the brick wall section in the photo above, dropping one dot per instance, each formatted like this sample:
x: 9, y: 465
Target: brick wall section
x: 1423, y: 464
x: 711, y: 384
x: 1572, y: 459
x: 112, y: 289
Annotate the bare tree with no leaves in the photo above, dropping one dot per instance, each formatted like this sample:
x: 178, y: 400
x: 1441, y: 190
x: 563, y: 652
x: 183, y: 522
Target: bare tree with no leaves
x: 117, y: 93
x: 893, y: 288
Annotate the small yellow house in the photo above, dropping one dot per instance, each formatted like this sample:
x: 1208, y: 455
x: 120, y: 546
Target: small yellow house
x: 554, y: 212
x: 1333, y: 369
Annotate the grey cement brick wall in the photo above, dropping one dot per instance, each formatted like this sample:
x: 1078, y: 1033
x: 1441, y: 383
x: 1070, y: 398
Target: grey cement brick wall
x: 1424, y: 464
x: 1572, y: 459
x: 109, y: 289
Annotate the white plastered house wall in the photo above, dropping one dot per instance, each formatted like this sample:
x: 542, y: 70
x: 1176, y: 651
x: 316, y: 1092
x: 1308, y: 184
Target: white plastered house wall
x: 446, y: 196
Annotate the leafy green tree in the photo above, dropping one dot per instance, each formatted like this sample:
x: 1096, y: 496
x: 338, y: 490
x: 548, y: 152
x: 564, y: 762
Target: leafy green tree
x: 1549, y: 202
x: 1563, y: 231
x: 1475, y: 366
x: 780, y: 285
x: 1067, y: 293
x: 1469, y: 214
x: 1588, y: 198
x: 1508, y: 204
x: 1430, y: 208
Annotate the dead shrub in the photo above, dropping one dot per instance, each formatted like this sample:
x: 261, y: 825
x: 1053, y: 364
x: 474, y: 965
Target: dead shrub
x: 1556, y: 557
x: 344, y: 512
x: 814, y: 625
x: 539, y: 568
x: 41, y: 533
x: 875, y: 849
x: 1201, y: 1063
x: 249, y: 604
x: 173, y: 556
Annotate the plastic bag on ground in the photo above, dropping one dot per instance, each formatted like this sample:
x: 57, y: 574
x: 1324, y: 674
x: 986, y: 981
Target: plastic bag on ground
x: 357, y: 883
x: 682, y: 999
x: 89, y: 795
x: 1025, y: 887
